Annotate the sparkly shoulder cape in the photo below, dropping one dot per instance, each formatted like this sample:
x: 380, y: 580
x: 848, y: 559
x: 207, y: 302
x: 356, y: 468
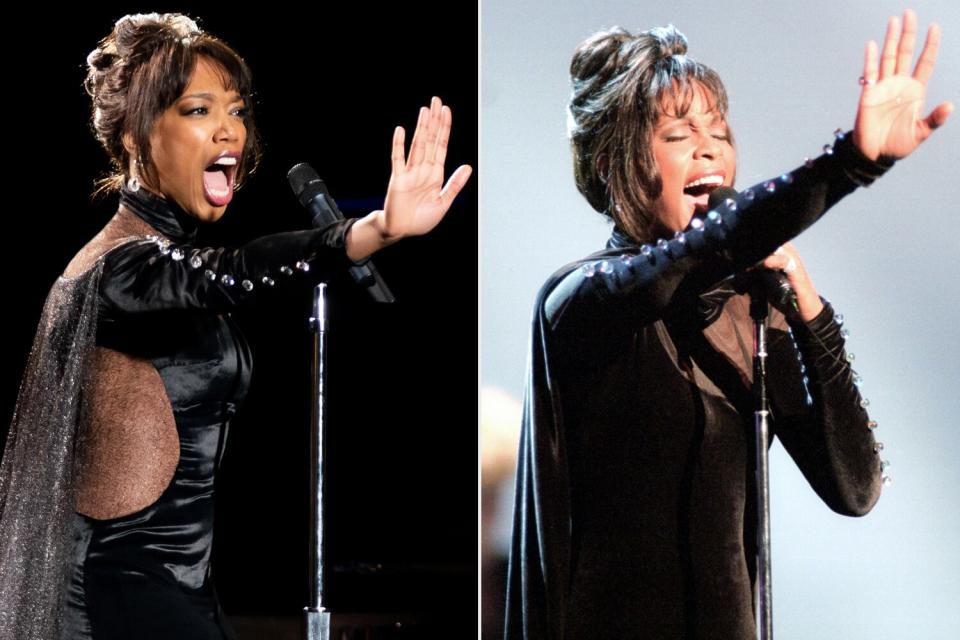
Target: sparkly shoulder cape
x: 36, y: 474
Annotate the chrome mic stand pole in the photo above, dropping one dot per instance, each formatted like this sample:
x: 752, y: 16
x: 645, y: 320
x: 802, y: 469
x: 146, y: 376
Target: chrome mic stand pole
x: 317, y: 618
x: 758, y: 311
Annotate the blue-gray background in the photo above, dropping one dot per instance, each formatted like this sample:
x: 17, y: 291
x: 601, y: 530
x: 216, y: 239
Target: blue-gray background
x: 885, y: 256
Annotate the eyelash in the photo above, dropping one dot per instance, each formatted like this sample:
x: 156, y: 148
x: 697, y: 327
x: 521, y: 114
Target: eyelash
x: 241, y: 112
x: 724, y: 138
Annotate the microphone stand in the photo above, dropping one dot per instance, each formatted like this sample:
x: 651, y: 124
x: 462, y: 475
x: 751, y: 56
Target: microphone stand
x: 758, y: 311
x: 313, y: 194
x: 316, y: 617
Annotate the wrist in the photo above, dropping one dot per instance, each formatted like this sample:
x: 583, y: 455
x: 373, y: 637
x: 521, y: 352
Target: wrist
x: 809, y: 305
x: 378, y: 220
x: 860, y: 145
x: 860, y: 165
x: 369, y: 235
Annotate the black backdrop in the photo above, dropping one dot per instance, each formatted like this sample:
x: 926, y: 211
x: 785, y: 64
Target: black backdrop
x: 331, y: 84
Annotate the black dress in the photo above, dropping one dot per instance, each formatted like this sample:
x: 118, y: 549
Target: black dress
x: 147, y: 574
x: 634, y: 513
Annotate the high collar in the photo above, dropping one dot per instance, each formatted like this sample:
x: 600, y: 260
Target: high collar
x: 162, y: 214
x: 620, y: 240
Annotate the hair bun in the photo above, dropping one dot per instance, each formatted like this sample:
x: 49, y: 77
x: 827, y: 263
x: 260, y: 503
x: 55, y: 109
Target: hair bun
x: 669, y: 41
x: 138, y: 35
x: 597, y: 52
x: 144, y: 32
x: 170, y: 25
x: 181, y: 24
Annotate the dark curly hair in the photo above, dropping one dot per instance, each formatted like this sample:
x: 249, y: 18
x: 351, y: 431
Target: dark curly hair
x: 620, y: 85
x: 140, y: 70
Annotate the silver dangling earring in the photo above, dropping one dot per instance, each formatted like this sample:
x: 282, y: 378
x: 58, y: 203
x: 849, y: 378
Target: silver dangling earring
x: 133, y: 184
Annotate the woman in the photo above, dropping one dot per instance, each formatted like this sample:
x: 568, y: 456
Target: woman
x: 635, y: 514
x: 138, y: 367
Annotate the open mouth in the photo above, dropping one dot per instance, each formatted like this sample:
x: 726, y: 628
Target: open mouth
x: 218, y: 181
x: 697, y: 192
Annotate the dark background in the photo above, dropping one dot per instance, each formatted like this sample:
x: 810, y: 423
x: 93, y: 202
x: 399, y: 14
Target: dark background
x: 330, y: 86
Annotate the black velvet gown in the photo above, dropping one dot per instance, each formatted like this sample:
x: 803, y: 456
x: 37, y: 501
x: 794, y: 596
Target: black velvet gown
x: 147, y: 574
x: 634, y: 513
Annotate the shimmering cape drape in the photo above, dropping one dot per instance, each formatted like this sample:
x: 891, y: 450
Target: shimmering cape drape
x: 36, y: 475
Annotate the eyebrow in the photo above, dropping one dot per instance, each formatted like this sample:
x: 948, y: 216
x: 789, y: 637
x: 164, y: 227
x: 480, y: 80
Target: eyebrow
x: 211, y: 97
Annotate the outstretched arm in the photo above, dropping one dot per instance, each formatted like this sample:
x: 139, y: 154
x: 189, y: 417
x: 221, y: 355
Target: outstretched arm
x: 416, y: 198
x: 154, y: 275
x: 621, y: 289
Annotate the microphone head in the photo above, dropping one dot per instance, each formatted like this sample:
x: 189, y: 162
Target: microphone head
x: 718, y: 195
x: 305, y: 182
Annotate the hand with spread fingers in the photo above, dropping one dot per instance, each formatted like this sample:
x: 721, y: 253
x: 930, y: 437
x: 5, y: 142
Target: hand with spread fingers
x: 787, y: 259
x: 890, y: 120
x: 415, y: 202
x: 416, y: 198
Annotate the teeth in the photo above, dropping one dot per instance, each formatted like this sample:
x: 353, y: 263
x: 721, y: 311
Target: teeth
x: 705, y: 180
x: 227, y: 162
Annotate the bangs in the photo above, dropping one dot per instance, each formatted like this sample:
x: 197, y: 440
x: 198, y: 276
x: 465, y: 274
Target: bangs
x: 168, y: 77
x: 232, y: 71
x: 674, y: 84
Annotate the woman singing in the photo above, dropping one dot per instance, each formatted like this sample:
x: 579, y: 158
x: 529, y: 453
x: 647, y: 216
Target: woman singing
x: 635, y: 513
x: 106, y: 487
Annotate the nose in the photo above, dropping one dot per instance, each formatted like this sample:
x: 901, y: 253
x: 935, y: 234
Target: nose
x: 229, y: 128
x: 708, y: 146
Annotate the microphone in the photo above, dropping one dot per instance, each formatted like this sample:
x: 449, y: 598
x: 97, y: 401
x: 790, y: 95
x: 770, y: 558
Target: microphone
x: 774, y: 283
x: 312, y: 194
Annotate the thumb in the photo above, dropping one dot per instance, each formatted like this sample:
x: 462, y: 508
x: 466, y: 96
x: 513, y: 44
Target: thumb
x: 939, y: 115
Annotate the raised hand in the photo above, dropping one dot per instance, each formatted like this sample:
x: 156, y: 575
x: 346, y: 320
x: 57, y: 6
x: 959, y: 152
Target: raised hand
x: 416, y: 198
x: 415, y: 201
x: 889, y: 117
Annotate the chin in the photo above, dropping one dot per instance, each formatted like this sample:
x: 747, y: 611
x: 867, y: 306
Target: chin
x: 679, y: 222
x: 209, y: 214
